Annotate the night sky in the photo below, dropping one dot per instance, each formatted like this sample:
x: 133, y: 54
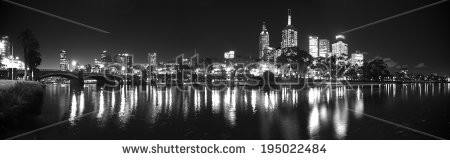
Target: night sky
x: 171, y: 28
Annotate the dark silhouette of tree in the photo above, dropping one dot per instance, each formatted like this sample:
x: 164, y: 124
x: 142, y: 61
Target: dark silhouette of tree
x: 1, y: 64
x: 332, y: 67
x: 296, y: 58
x: 375, y: 70
x: 353, y: 72
x: 32, y: 56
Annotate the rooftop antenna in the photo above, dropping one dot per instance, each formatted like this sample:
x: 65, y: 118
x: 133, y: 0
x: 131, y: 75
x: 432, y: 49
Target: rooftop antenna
x: 289, y: 17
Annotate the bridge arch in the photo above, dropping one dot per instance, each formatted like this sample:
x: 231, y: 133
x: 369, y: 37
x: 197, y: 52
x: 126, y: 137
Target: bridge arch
x: 70, y: 76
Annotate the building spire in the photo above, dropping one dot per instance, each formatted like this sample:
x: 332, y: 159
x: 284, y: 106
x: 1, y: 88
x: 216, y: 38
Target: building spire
x: 264, y: 26
x: 289, y: 17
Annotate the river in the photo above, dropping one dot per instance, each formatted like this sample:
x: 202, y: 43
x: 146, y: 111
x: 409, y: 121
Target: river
x: 378, y: 111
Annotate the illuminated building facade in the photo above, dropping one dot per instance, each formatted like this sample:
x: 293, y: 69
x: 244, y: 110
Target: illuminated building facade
x: 129, y: 60
x: 151, y: 57
x: 5, y: 46
x: 340, y: 48
x: 324, y: 47
x: 63, y: 61
x: 269, y: 53
x: 289, y: 34
x: 314, y: 46
x: 263, y: 41
x: 357, y: 59
x: 104, y: 57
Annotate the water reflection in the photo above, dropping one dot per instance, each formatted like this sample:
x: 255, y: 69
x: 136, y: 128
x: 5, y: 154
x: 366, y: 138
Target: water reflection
x: 288, y: 113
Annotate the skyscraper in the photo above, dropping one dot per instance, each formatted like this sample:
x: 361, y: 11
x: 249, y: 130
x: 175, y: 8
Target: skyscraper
x: 314, y: 46
x: 104, y: 57
x: 324, y: 47
x: 152, y: 59
x: 128, y: 60
x: 357, y: 58
x: 63, y: 61
x: 340, y: 48
x: 5, y: 46
x: 263, y: 41
x: 289, y: 34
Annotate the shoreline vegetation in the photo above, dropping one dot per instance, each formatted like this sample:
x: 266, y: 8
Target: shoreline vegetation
x: 19, y: 102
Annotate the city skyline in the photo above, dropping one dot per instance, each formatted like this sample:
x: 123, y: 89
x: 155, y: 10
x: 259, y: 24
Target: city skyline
x: 211, y: 38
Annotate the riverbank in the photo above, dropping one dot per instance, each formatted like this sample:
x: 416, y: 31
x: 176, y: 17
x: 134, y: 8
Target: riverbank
x: 19, y: 101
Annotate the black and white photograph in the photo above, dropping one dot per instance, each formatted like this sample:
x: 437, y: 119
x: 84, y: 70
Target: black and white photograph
x: 295, y: 79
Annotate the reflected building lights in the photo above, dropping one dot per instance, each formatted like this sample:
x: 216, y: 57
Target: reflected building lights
x: 81, y: 102
x: 73, y: 108
x: 122, y: 101
x: 215, y: 101
x: 113, y: 100
x: 101, y: 105
x: 359, y: 104
x: 232, y: 108
x: 313, y: 96
x: 314, y: 123
x: 294, y: 97
x: 253, y: 100
x: 323, y: 114
x: 206, y: 97
x: 197, y: 100
x: 340, y: 119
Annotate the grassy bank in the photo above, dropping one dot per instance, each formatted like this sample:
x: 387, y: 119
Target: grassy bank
x: 19, y: 100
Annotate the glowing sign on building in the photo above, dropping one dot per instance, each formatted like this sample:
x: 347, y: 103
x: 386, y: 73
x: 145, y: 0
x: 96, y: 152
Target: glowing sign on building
x: 229, y: 55
x: 314, y: 46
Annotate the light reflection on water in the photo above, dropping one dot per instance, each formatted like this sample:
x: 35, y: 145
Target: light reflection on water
x: 288, y: 113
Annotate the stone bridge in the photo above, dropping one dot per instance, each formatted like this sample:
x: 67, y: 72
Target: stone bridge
x: 78, y: 77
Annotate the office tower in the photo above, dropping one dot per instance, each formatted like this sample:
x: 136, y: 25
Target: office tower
x: 63, y: 61
x: 314, y: 46
x: 324, y: 47
x: 289, y: 34
x: 340, y: 48
x: 151, y: 57
x: 5, y: 46
x: 357, y: 58
x: 263, y: 41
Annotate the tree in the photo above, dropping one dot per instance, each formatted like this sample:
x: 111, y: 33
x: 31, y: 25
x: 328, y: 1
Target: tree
x: 375, y: 70
x: 294, y: 55
x: 32, y: 56
x: 1, y: 64
x: 332, y: 67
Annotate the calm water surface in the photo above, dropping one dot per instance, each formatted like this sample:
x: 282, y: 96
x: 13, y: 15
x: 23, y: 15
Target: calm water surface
x: 135, y: 112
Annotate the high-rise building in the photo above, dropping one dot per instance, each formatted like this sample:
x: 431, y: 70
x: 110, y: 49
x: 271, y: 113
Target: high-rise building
x: 263, y: 41
x: 268, y: 54
x: 5, y: 46
x: 340, y: 48
x: 289, y: 34
x: 324, y: 47
x: 314, y: 46
x: 152, y: 59
x: 104, y: 57
x: 128, y: 60
x: 357, y: 58
x: 63, y: 61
